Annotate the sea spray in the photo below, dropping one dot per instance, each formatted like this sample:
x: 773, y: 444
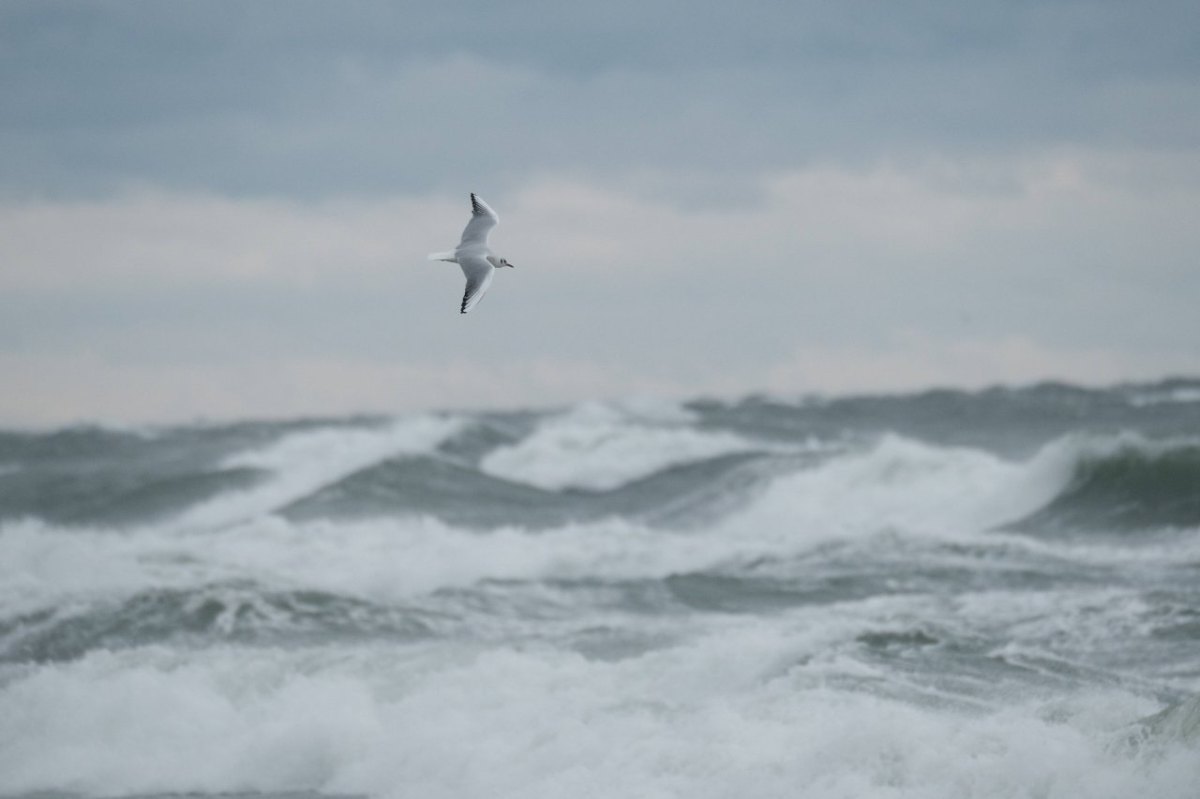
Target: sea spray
x: 947, y: 594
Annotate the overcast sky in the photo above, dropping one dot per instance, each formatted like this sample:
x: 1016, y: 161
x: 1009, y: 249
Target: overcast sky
x: 222, y: 209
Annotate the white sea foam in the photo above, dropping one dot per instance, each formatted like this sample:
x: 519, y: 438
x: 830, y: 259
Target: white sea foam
x: 600, y: 446
x: 795, y: 700
x: 906, y: 486
x: 384, y: 560
x: 40, y: 564
x: 1080, y: 446
x: 898, y: 487
x: 727, y: 714
x: 303, y: 462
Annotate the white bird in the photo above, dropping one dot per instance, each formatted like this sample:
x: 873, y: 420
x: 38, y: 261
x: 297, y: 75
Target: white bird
x: 473, y: 255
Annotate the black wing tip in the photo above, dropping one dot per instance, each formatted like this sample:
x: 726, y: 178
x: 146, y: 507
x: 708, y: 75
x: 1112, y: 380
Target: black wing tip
x: 475, y: 204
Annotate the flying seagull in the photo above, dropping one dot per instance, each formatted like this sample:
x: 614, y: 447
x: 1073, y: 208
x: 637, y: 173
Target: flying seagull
x: 473, y: 255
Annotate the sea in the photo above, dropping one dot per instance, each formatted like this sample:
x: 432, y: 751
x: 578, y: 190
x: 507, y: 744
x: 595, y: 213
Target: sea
x: 948, y: 594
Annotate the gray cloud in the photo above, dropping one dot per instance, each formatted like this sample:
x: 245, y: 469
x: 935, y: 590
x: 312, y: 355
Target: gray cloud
x: 224, y: 207
x: 317, y: 99
x: 1061, y: 270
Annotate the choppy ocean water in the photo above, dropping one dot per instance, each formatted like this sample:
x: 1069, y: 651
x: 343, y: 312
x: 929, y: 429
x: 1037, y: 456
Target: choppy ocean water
x: 944, y: 594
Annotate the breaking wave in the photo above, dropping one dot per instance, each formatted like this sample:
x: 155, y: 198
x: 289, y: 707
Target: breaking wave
x: 937, y: 595
x: 600, y: 447
x: 513, y: 723
x: 1123, y: 484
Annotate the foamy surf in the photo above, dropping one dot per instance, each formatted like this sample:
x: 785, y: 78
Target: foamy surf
x: 847, y: 597
x: 895, y: 487
x: 724, y: 714
x: 600, y: 446
x: 301, y: 463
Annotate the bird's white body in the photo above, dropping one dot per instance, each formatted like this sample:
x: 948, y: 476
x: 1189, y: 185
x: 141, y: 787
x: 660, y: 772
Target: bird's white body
x: 473, y: 254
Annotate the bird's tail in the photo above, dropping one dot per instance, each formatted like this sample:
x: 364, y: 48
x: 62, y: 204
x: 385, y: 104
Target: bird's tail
x: 443, y: 256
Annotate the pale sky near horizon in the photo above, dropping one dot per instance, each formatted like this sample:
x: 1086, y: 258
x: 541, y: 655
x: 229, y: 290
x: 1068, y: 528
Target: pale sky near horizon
x: 222, y: 210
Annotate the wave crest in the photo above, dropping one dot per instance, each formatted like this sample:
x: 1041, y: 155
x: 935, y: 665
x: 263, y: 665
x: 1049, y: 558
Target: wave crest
x: 599, y: 447
x: 1123, y: 484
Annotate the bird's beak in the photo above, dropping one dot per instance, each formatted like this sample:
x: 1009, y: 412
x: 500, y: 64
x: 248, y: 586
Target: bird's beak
x: 510, y: 265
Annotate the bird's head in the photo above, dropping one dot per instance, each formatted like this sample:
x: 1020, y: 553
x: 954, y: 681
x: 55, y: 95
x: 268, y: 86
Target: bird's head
x: 504, y: 262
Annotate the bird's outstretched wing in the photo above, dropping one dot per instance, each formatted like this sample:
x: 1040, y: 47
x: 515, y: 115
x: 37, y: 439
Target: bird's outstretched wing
x: 479, y: 273
x: 483, y: 219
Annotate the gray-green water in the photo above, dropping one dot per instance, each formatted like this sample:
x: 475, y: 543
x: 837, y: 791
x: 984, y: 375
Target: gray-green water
x: 933, y: 595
